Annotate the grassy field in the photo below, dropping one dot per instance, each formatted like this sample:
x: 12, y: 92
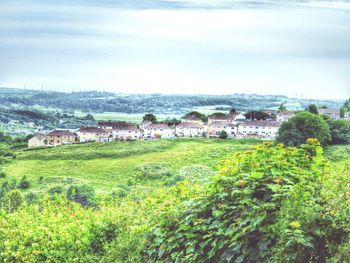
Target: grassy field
x: 106, y: 165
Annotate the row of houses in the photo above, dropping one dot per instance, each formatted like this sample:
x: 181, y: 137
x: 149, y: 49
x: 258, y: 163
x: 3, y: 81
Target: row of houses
x: 234, y: 124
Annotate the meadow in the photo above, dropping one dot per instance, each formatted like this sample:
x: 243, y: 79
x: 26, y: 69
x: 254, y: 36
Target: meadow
x: 106, y: 165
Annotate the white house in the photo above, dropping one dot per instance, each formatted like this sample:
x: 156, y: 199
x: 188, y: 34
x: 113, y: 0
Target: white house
x: 126, y: 131
x: 93, y: 134
x: 260, y: 129
x: 189, y: 129
x: 160, y: 130
x: 216, y: 127
x: 284, y: 115
x: 38, y: 140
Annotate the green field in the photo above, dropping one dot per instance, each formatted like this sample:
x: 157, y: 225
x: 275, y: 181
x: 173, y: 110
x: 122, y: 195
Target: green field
x: 106, y: 165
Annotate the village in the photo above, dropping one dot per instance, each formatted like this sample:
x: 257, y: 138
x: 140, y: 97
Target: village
x: 234, y: 125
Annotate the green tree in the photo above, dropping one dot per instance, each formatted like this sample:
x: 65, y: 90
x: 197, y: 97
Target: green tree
x: 257, y: 115
x: 150, y: 117
x: 282, y: 107
x: 340, y: 131
x: 301, y: 127
x: 233, y: 110
x: 312, y: 109
x: 223, y: 135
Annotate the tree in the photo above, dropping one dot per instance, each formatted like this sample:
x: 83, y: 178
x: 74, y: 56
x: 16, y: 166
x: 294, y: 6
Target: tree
x: 301, y: 127
x: 202, y: 116
x: 233, y: 110
x: 312, y: 109
x: 257, y: 115
x: 340, y: 131
x: 150, y: 117
x: 282, y: 107
x: 223, y: 135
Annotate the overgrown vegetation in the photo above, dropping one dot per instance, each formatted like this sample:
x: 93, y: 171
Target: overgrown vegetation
x: 266, y: 204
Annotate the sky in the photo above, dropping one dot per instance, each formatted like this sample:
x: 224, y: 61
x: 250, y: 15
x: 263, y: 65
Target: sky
x: 297, y: 48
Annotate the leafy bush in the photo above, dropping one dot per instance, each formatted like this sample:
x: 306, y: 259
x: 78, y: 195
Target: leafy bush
x: 265, y: 206
x: 120, y: 191
x: 223, y: 135
x: 13, y: 200
x: 56, y: 190
x: 154, y: 170
x: 2, y: 173
x: 82, y: 194
x: 196, y: 172
x: 31, y: 198
x: 24, y: 183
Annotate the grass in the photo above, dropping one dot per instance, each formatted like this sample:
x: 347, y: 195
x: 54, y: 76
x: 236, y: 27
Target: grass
x: 106, y: 165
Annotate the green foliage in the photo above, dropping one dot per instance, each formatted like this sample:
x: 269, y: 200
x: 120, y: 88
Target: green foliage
x: 265, y: 206
x: 31, y: 198
x: 301, y: 127
x: 120, y: 191
x: 12, y: 200
x: 150, y: 117
x: 340, y: 131
x: 223, y: 135
x: 23, y: 183
x: 257, y: 115
x: 153, y: 170
x: 56, y: 190
x: 312, y: 108
x: 82, y: 194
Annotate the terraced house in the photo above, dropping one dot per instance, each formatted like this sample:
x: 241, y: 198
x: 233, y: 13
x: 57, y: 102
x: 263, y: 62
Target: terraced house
x: 94, y: 134
x: 154, y: 131
x: 59, y: 137
x: 259, y: 129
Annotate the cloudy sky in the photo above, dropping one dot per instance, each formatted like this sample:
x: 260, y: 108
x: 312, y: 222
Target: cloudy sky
x: 297, y: 48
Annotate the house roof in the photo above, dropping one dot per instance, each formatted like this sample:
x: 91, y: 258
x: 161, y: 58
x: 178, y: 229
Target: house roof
x: 220, y: 124
x: 261, y: 123
x: 189, y: 125
x: 61, y: 133
x: 146, y: 123
x: 191, y: 117
x: 285, y: 113
x: 329, y: 111
x: 92, y: 130
x: 126, y: 126
x: 157, y: 126
x: 40, y: 136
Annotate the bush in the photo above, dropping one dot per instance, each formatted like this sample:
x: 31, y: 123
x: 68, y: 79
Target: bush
x: 13, y: 200
x: 56, y: 190
x: 196, y: 172
x: 223, y: 135
x: 120, y: 191
x: 153, y: 170
x: 2, y: 174
x: 24, y: 183
x: 265, y: 206
x: 82, y: 194
x: 31, y: 198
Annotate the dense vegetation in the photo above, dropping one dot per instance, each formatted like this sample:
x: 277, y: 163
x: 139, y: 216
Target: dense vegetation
x: 267, y: 204
x: 94, y: 101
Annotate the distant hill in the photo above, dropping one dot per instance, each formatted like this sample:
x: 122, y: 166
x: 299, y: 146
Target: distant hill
x: 98, y: 101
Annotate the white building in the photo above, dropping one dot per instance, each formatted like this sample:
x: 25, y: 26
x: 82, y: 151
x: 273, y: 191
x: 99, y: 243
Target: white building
x: 333, y: 113
x: 259, y: 129
x: 93, y: 134
x: 284, y: 115
x: 38, y: 140
x: 216, y: 127
x: 126, y: 131
x: 156, y: 131
x: 189, y: 129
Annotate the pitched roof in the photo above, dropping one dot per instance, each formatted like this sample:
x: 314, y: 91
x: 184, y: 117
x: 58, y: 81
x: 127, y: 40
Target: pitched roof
x: 61, y: 133
x: 157, y: 126
x: 220, y: 124
x: 285, y: 113
x: 189, y: 125
x: 329, y: 111
x: 261, y: 123
x: 126, y: 126
x: 40, y: 136
x: 191, y: 117
x: 92, y: 130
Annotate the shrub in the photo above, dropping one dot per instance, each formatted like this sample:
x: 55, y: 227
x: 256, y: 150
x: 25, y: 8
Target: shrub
x: 264, y: 206
x: 24, y: 183
x: 120, y: 191
x: 56, y: 190
x: 82, y: 194
x: 2, y: 174
x: 223, y: 135
x: 153, y: 170
x: 196, y: 172
x: 31, y: 198
x: 13, y: 200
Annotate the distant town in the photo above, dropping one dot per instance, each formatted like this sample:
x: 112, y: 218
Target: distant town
x: 234, y: 125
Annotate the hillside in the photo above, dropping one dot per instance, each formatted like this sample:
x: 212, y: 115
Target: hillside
x: 107, y: 165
